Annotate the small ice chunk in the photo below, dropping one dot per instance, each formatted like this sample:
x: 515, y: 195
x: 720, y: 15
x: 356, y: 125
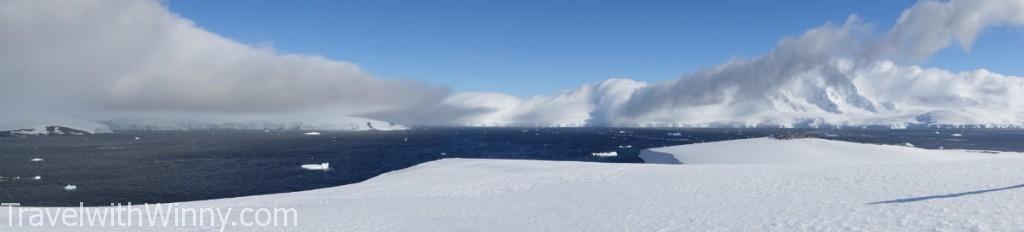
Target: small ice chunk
x: 625, y: 146
x: 322, y: 166
x: 137, y: 138
x: 605, y: 154
x: 70, y: 187
x: 908, y: 144
x: 957, y: 135
x: 312, y: 133
x: 36, y: 160
x: 677, y: 134
x: 405, y: 140
x: 37, y: 178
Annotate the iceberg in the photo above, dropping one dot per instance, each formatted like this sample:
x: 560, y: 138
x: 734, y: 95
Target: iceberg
x: 70, y: 187
x: 322, y: 166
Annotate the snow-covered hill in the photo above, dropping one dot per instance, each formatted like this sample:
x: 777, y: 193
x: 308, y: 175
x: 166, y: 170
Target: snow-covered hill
x: 52, y: 126
x: 796, y: 151
x: 844, y: 187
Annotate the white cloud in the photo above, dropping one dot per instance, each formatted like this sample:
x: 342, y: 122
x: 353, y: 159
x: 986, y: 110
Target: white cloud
x: 135, y: 56
x: 577, y: 107
x: 930, y: 26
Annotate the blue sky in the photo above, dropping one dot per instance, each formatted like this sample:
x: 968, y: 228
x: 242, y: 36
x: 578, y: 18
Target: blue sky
x: 532, y: 47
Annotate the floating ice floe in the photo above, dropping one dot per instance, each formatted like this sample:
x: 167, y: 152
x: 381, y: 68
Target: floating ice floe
x: 908, y: 144
x: 605, y: 154
x: 37, y: 178
x: 137, y: 138
x: 322, y: 166
x: 70, y: 187
x: 625, y: 146
x: 677, y: 134
x: 36, y: 160
x: 957, y: 135
x: 312, y: 133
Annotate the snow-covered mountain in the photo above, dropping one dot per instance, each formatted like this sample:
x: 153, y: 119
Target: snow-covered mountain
x: 334, y: 124
x: 52, y: 126
x: 835, y: 92
x: 835, y: 75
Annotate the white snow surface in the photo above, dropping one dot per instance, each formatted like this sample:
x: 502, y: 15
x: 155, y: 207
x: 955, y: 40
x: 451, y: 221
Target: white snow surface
x: 853, y: 187
x: 797, y: 151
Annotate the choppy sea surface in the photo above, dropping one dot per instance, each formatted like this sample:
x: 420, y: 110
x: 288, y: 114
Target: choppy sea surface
x: 160, y: 167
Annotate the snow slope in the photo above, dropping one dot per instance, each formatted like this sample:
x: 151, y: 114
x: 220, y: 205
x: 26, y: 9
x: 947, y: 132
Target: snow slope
x: 914, y: 192
x: 796, y: 151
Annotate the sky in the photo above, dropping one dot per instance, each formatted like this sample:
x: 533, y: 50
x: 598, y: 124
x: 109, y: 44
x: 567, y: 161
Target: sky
x: 533, y: 63
x: 532, y: 47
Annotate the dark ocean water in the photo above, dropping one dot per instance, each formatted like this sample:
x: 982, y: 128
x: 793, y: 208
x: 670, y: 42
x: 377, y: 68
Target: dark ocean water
x: 184, y: 166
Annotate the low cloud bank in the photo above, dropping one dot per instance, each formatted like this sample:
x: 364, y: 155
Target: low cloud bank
x: 124, y: 57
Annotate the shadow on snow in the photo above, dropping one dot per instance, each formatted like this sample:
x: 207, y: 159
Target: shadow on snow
x: 924, y: 198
